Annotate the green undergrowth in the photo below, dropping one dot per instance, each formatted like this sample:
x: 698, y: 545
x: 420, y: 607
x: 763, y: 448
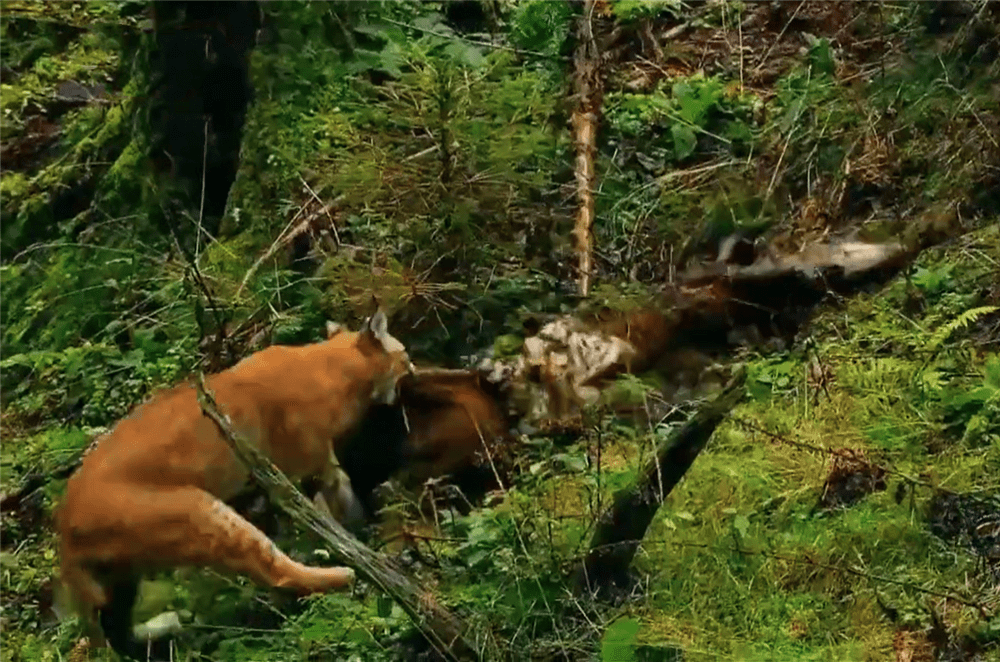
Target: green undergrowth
x: 465, y: 134
x: 739, y: 563
x: 742, y: 565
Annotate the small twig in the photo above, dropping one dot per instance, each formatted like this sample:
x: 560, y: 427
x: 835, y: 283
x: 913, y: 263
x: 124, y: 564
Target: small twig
x: 195, y: 273
x: 778, y: 38
x: 326, y: 209
x: 407, y: 534
x: 698, y: 170
x: 777, y: 169
x: 201, y: 205
x: 423, y: 152
x: 739, y: 27
x: 840, y: 452
x: 677, y: 30
x: 443, y: 372
x: 284, y: 237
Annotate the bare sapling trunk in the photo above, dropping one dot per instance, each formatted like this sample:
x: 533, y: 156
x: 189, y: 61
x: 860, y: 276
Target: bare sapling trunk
x: 623, y: 526
x: 442, y: 629
x: 588, y: 94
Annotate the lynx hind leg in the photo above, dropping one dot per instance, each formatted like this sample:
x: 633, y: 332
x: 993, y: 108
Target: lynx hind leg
x: 115, y: 616
x: 105, y: 609
x: 82, y: 593
x: 234, y: 544
x: 189, y: 527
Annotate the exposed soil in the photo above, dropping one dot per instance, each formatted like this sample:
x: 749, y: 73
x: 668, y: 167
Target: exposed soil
x: 971, y: 521
x: 852, y: 477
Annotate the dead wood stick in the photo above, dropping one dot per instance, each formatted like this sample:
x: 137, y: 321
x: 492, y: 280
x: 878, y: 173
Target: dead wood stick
x: 589, y: 93
x: 32, y: 482
x: 442, y: 629
x: 443, y: 372
x: 623, y: 526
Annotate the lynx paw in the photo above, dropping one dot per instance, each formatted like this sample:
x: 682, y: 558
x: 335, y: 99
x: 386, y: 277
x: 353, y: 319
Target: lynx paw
x: 349, y: 577
x: 167, y: 623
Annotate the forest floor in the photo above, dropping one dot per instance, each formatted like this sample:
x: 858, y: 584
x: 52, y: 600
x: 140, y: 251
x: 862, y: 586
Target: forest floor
x: 849, y: 509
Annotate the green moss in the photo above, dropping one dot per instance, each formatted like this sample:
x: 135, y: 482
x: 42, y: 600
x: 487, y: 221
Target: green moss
x: 14, y: 185
x: 87, y: 61
x: 782, y: 597
x: 507, y: 345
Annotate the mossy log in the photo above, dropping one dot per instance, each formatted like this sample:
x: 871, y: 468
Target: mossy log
x: 445, y: 632
x: 623, y: 526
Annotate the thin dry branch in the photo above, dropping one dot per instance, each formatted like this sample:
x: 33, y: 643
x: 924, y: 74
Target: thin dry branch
x: 589, y: 92
x: 947, y: 594
x: 442, y: 372
x: 442, y: 629
x: 287, y: 236
x: 326, y: 209
x: 623, y: 526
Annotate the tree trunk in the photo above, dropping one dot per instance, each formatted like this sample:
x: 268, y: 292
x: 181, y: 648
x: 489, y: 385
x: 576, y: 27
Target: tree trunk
x: 623, y: 526
x: 589, y: 90
x: 199, y: 101
x: 442, y: 629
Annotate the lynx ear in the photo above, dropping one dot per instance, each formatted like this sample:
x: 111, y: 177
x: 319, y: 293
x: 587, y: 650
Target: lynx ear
x: 376, y: 326
x: 332, y: 329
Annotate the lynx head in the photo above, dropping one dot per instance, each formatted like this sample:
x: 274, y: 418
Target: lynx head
x: 389, y: 359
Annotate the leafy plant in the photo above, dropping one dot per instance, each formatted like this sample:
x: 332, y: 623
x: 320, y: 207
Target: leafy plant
x: 933, y: 281
x: 541, y: 26
x: 633, y: 10
x: 960, y: 322
x: 93, y: 384
x: 772, y: 375
x: 618, y: 643
x: 976, y: 411
x: 820, y: 56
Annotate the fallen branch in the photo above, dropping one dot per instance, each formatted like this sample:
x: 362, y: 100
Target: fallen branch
x: 442, y: 629
x: 623, y: 526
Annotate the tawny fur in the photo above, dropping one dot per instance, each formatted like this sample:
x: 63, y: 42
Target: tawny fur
x: 454, y: 425
x: 152, y: 492
x: 648, y: 332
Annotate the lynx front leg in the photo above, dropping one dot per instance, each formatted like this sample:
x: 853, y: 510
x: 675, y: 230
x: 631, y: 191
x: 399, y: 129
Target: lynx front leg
x: 336, y: 498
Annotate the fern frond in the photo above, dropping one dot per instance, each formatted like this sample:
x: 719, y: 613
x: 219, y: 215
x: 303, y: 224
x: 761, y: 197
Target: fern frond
x: 881, y: 374
x: 963, y: 320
